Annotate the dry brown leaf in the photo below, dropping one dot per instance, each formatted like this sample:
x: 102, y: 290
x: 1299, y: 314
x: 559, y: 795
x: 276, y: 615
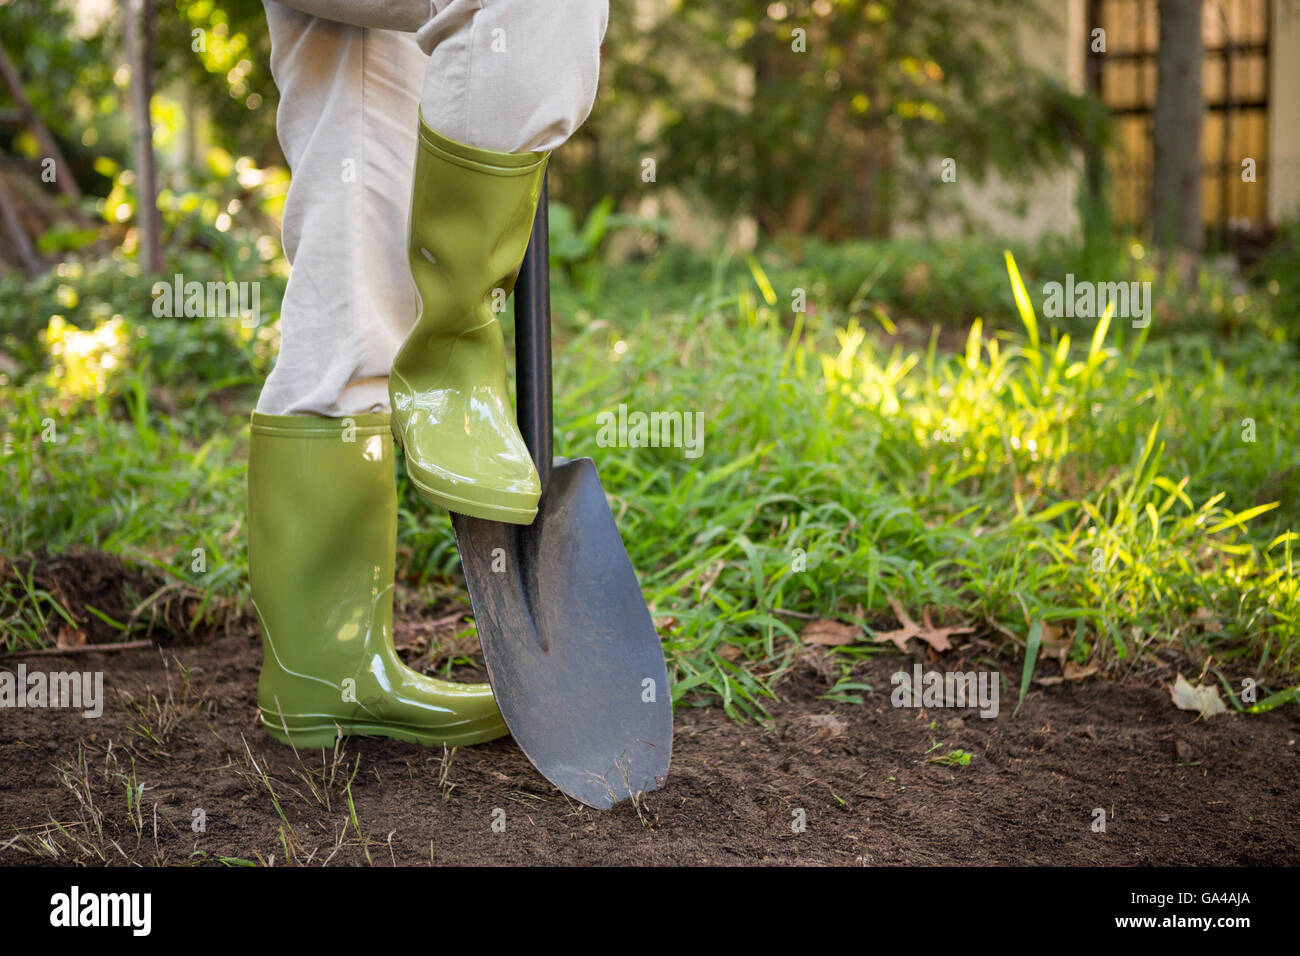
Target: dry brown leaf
x: 828, y: 633
x: 69, y: 637
x: 909, y: 629
x: 828, y: 725
x: 898, y: 637
x: 1075, y: 671
x: 1202, y: 698
x: 1055, y: 644
x: 1052, y: 636
x: 936, y: 637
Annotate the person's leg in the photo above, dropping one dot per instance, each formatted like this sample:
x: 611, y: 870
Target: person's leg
x: 348, y: 101
x: 354, y: 75
x: 512, y: 75
x: 507, y: 81
x: 322, y: 501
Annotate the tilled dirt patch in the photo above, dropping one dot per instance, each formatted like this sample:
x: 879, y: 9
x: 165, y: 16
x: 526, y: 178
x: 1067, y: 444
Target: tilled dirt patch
x: 177, y: 771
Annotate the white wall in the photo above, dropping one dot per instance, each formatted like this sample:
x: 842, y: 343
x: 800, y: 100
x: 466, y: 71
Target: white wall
x: 1284, y: 113
x: 1031, y: 206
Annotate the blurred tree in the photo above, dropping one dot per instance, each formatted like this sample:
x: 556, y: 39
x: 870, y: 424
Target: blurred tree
x: 138, y: 21
x: 815, y: 114
x: 821, y: 116
x: 60, y: 71
x: 1180, y: 106
x: 211, y: 55
x: 217, y: 55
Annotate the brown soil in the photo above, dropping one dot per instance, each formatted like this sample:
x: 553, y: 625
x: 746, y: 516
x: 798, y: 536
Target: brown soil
x: 1174, y: 789
x: 138, y: 599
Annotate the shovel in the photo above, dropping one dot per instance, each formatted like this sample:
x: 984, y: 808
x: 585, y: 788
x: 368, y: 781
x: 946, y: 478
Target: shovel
x: 574, y: 660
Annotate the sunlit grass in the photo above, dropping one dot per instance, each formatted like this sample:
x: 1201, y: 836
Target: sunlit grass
x: 1108, y: 487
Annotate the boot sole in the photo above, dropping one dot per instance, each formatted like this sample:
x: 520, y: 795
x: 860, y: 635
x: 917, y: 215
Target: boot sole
x: 313, y: 736
x: 475, y: 509
x: 488, y: 511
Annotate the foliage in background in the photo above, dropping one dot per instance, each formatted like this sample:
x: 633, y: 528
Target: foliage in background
x: 732, y: 113
x: 213, y: 88
x: 69, y: 81
x: 227, y: 82
x: 984, y: 483
x: 982, y: 480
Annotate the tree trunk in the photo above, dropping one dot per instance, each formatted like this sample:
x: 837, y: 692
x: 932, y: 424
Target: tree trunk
x: 63, y: 177
x: 139, y: 35
x: 1180, y: 105
x: 14, y: 227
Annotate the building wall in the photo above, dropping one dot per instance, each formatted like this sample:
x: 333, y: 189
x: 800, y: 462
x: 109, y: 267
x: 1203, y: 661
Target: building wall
x: 1017, y: 208
x: 1284, y: 112
x: 1031, y: 206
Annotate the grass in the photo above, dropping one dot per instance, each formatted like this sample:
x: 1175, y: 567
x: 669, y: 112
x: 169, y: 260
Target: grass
x: 1102, y: 487
x: 1122, y: 491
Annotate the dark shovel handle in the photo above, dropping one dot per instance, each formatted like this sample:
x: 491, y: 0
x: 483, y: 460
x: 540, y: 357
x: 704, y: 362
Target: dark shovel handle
x: 533, y: 344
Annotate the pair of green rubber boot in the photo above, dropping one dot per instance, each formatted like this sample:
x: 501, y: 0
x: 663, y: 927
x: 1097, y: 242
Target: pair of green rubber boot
x: 322, y: 496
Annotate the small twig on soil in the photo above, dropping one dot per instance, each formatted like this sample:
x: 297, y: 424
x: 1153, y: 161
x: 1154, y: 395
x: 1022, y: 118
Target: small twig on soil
x: 803, y: 615
x: 37, y: 826
x: 82, y: 649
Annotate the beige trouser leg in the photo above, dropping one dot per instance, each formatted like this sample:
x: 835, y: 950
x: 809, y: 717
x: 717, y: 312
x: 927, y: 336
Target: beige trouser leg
x: 354, y: 75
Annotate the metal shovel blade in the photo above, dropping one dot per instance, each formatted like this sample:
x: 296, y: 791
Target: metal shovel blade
x: 572, y: 654
x: 573, y: 657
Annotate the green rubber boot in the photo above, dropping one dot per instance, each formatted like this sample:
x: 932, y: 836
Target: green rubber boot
x: 471, y: 213
x: 322, y: 530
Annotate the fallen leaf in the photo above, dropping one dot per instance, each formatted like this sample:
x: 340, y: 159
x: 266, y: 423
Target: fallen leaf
x: 1052, y: 636
x: 1204, y: 699
x: 828, y: 633
x: 909, y: 629
x: 1054, y: 643
x: 1075, y: 671
x: 936, y: 637
x: 828, y: 724
x: 69, y: 637
x: 1184, y: 751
